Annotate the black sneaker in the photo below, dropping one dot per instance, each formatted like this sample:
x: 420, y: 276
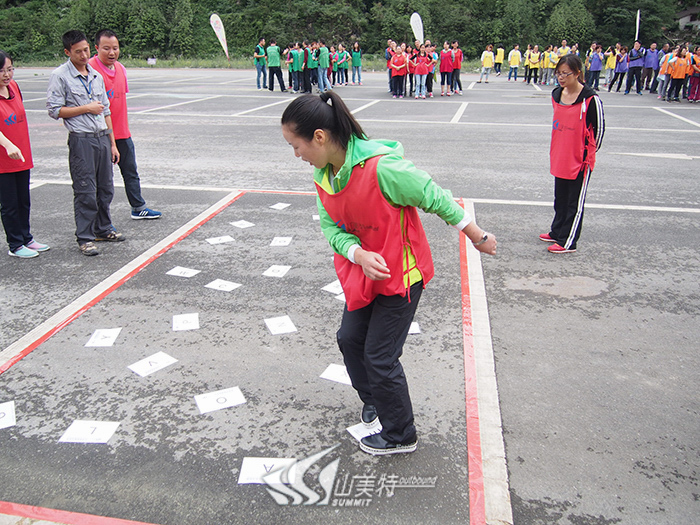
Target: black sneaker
x: 378, y: 446
x: 369, y: 416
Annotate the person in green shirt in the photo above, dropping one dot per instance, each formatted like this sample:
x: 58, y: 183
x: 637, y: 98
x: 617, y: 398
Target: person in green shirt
x: 274, y: 62
x: 356, y: 55
x: 313, y: 63
x: 343, y: 57
x: 260, y: 60
x: 367, y: 197
x: 334, y: 62
x: 324, y: 62
x: 297, y: 67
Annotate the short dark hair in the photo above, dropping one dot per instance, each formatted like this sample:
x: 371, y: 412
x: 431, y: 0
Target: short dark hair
x: 4, y: 57
x: 273, y: 41
x: 107, y: 33
x: 72, y: 37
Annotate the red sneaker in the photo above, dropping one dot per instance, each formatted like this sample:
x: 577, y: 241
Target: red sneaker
x: 546, y: 237
x: 556, y: 248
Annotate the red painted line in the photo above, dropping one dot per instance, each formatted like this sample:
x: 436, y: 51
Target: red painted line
x: 61, y: 516
x: 49, y: 333
x: 477, y: 506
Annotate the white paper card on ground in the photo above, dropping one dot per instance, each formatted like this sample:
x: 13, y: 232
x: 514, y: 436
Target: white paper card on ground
x: 157, y: 361
x: 337, y: 373
x: 253, y: 469
x: 277, y: 271
x: 281, y: 241
x: 180, y: 271
x: 185, y: 322
x: 220, y: 284
x: 103, y: 337
x: 242, y: 224
x: 228, y: 397
x: 85, y: 431
x: 360, y: 431
x: 333, y: 287
x: 340, y: 297
x: 280, y: 206
x: 280, y: 325
x: 220, y: 240
x: 414, y: 328
x: 316, y: 217
x: 7, y: 414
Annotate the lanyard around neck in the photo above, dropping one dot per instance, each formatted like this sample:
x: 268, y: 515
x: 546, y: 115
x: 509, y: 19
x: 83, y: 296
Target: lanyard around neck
x: 88, y: 86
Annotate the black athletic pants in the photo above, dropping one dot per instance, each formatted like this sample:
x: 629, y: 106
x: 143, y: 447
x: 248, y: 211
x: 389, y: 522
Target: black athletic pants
x: 371, y: 340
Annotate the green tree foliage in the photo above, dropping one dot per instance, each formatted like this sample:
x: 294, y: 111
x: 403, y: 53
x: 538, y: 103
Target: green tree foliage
x: 166, y: 28
x: 571, y: 20
x: 181, y: 39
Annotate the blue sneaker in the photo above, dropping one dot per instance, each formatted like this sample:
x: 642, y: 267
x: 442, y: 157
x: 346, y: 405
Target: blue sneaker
x: 23, y: 253
x: 146, y: 214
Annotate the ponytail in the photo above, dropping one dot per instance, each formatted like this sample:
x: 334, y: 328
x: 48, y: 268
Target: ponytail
x: 305, y: 114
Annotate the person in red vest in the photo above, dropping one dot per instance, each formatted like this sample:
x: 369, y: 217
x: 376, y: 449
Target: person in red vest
x: 106, y: 63
x: 15, y: 163
x: 367, y: 196
x: 577, y: 133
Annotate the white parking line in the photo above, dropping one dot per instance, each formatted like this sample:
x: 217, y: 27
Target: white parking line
x: 677, y: 116
x: 538, y: 88
x: 672, y: 156
x: 356, y: 111
x: 261, y: 107
x: 173, y: 105
x: 188, y: 79
x: 624, y: 207
x: 460, y: 112
x: 233, y: 81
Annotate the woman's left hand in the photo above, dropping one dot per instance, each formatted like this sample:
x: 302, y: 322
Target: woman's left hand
x: 373, y: 265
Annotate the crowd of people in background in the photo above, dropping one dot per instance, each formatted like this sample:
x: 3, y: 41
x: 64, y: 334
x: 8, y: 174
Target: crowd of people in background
x: 670, y: 72
x: 310, y: 64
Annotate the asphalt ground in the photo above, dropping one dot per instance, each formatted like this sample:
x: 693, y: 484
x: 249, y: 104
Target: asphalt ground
x: 594, y: 359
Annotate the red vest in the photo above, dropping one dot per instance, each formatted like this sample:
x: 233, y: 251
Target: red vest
x: 117, y: 88
x: 570, y: 139
x: 13, y: 124
x: 361, y: 209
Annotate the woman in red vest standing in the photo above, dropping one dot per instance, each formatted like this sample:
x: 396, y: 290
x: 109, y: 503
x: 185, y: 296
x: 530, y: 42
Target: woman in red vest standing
x: 367, y: 199
x: 577, y: 133
x: 15, y: 163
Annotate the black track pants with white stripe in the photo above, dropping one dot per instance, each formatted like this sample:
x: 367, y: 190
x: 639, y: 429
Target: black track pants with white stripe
x: 569, y: 198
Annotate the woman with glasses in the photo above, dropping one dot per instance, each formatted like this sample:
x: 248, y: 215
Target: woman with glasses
x: 15, y: 163
x: 577, y: 133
